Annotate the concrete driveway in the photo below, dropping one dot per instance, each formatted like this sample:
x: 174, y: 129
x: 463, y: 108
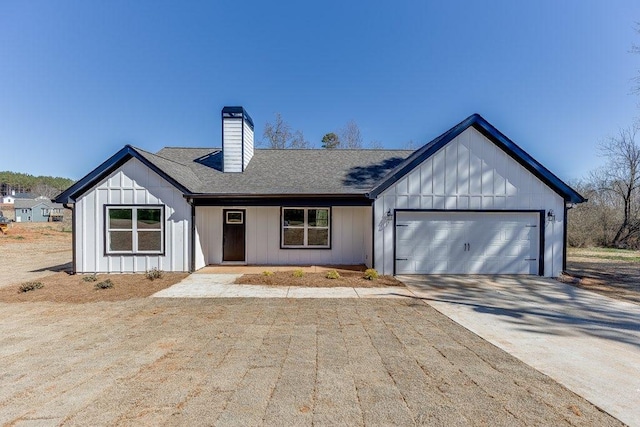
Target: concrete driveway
x: 585, y: 341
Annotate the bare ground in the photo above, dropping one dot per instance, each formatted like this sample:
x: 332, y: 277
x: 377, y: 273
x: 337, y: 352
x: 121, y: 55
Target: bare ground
x: 265, y: 362
x: 615, y: 278
x: 76, y: 289
x: 317, y: 280
x: 29, y: 251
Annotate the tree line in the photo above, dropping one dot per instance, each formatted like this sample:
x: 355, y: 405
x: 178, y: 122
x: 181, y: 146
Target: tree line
x: 611, y: 217
x: 280, y: 135
x: 47, y: 186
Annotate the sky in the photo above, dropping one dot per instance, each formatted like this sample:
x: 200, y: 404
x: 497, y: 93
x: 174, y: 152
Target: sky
x: 80, y: 79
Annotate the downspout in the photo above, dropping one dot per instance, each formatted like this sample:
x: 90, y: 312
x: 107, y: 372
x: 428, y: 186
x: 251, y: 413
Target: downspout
x: 73, y: 235
x: 564, y: 232
x: 192, y: 248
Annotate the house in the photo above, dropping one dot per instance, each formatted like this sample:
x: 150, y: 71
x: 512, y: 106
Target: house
x: 9, y: 199
x: 470, y: 201
x: 39, y: 209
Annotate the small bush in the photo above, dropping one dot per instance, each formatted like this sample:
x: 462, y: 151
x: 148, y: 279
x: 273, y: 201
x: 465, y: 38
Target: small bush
x: 31, y: 286
x: 154, y: 274
x: 298, y: 273
x: 91, y: 278
x: 371, y: 274
x: 107, y: 284
x: 332, y: 274
x: 268, y: 273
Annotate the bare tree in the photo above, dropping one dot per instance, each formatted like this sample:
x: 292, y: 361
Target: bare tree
x: 279, y: 135
x: 636, y: 49
x: 276, y: 135
x: 350, y: 136
x: 298, y: 141
x: 620, y: 178
x: 376, y: 145
x: 45, y: 190
x: 409, y: 145
x: 594, y: 223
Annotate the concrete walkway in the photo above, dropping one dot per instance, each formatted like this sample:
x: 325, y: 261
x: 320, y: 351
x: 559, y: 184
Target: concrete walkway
x: 585, y: 341
x: 204, y: 285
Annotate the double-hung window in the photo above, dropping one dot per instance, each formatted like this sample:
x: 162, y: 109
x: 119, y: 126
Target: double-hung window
x: 134, y: 229
x: 306, y: 228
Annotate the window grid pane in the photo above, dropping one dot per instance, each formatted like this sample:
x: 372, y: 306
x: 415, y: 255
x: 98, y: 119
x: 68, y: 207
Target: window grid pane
x: 149, y: 241
x: 121, y: 241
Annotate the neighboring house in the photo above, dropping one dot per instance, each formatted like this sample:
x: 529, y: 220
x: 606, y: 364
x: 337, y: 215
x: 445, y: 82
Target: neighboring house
x: 8, y: 199
x: 40, y: 209
x: 470, y: 201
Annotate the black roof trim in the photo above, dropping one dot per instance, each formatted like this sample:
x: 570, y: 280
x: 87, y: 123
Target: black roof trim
x: 494, y: 135
x: 282, y: 200
x: 237, y: 112
x: 108, y: 166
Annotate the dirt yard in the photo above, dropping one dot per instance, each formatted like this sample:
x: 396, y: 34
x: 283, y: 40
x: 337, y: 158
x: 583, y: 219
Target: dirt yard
x: 114, y: 358
x: 29, y: 251
x: 78, y: 289
x: 610, y: 272
x: 248, y: 361
x: 346, y: 279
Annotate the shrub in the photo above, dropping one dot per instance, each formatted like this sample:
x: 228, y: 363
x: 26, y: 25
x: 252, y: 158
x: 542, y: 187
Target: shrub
x: 31, y: 286
x: 91, y: 278
x: 332, y: 274
x: 298, y: 273
x: 154, y: 274
x: 371, y: 274
x: 268, y: 273
x: 107, y: 284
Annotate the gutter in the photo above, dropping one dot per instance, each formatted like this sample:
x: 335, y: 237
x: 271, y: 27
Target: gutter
x: 73, y: 235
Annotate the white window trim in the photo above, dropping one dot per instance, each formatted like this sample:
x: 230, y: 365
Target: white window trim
x: 306, y: 228
x: 134, y: 230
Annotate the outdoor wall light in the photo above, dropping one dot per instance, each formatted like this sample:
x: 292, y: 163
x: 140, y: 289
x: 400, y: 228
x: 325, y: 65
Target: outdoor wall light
x: 389, y: 215
x: 551, y: 217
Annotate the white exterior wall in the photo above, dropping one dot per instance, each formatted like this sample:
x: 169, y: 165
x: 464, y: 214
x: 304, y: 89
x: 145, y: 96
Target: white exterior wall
x: 133, y: 183
x: 350, y: 237
x: 247, y: 145
x: 470, y: 172
x: 232, y: 144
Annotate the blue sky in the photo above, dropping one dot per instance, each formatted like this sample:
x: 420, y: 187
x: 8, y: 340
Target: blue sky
x: 80, y: 79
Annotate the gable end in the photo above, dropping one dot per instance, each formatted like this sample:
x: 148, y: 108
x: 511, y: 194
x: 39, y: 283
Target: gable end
x: 496, y: 137
x: 111, y: 164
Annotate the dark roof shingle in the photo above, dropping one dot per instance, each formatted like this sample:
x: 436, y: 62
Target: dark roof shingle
x: 273, y: 172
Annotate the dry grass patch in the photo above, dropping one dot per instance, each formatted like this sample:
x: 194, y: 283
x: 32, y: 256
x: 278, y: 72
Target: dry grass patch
x: 349, y: 279
x: 62, y: 287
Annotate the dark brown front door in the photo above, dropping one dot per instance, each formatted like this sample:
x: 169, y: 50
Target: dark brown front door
x: 233, y: 235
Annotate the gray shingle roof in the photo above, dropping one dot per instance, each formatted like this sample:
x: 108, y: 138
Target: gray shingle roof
x: 272, y: 172
x: 31, y: 203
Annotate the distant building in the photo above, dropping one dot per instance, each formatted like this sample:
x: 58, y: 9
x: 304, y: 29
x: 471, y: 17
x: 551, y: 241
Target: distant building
x: 39, y: 209
x: 9, y: 199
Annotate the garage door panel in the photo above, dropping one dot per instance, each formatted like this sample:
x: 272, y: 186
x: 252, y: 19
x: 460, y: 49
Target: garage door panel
x: 467, y: 243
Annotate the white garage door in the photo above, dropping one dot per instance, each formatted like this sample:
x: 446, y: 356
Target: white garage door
x: 467, y: 242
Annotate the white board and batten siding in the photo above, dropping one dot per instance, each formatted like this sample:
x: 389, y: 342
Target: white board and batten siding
x: 132, y: 183
x: 469, y: 173
x: 350, y: 237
